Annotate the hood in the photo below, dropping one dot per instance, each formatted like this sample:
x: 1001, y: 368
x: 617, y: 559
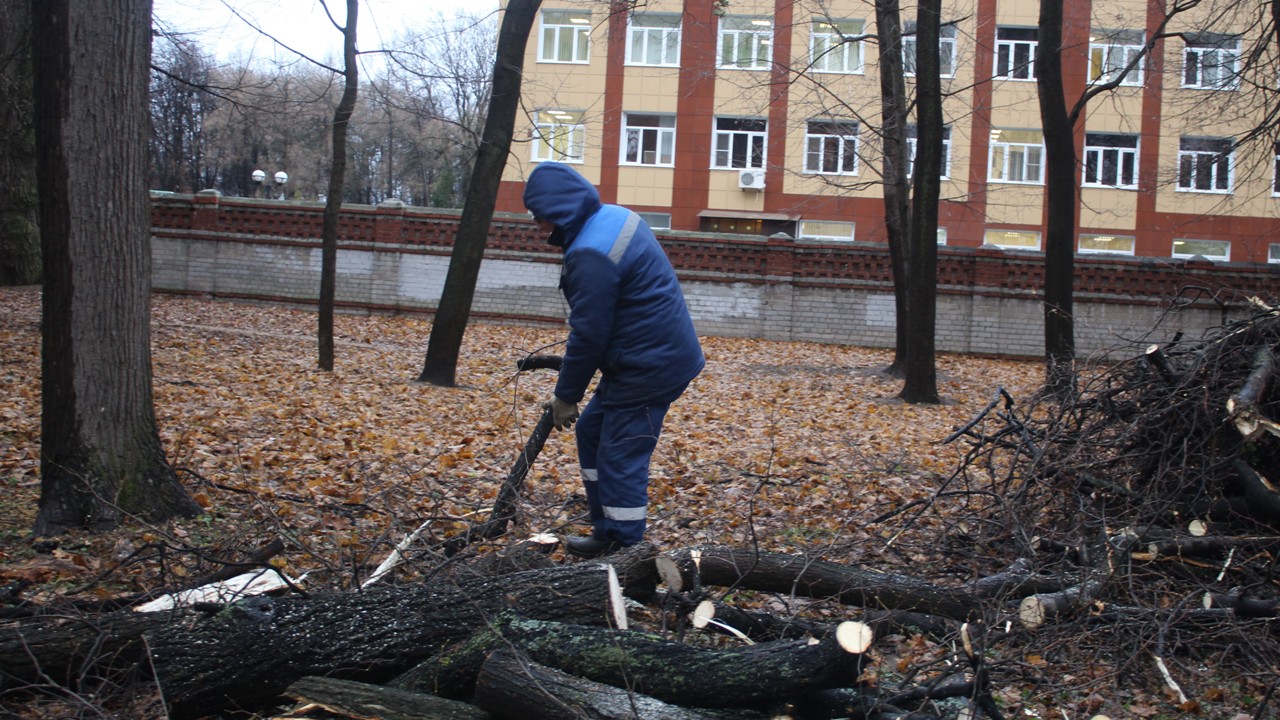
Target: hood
x: 560, y: 195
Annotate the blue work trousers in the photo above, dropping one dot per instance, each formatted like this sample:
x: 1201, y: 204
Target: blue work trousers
x: 614, y: 447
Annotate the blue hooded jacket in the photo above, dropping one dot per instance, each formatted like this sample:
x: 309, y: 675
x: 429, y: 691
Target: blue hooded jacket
x: 627, y: 315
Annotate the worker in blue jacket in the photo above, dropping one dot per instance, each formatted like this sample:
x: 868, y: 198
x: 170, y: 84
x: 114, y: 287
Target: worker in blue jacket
x: 628, y: 320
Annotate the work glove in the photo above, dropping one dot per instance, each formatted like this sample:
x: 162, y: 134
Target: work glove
x: 562, y: 413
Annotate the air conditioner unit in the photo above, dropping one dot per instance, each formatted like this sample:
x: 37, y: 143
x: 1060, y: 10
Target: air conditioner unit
x: 751, y: 180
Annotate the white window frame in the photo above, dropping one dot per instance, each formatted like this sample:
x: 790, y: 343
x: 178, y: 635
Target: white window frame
x: 831, y: 49
x: 656, y: 220
x: 1103, y: 158
x: 827, y: 140
x: 945, y: 171
x: 1021, y: 162
x: 744, y: 32
x: 1111, y: 51
x: 727, y: 140
x: 946, y: 49
x: 1273, y: 253
x: 814, y: 230
x: 1187, y: 254
x: 576, y: 24
x: 552, y: 127
x: 653, y: 133
x: 650, y: 34
x: 993, y: 236
x: 1099, y: 244
x: 1210, y: 61
x: 1010, y: 44
x: 1195, y: 162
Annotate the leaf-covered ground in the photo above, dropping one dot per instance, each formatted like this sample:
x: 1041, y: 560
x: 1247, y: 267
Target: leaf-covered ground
x: 787, y: 446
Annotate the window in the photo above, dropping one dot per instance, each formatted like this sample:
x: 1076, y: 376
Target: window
x: 826, y: 230
x: 558, y: 135
x: 656, y: 220
x: 945, y: 170
x: 1012, y: 239
x: 1204, y: 164
x: 1016, y: 156
x: 739, y: 143
x: 1016, y: 53
x: 1275, y: 180
x: 946, y: 49
x: 1111, y: 160
x: 1273, y: 253
x: 745, y: 42
x: 653, y: 39
x: 1115, y: 244
x: 1111, y: 51
x: 831, y: 47
x: 1209, y: 61
x: 942, y: 236
x: 1218, y: 250
x: 831, y: 147
x: 648, y: 139
x: 565, y: 36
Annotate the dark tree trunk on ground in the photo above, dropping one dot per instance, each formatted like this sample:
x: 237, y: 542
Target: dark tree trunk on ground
x: 374, y: 701
x: 893, y: 111
x: 1061, y: 176
x: 101, y: 458
x: 337, y: 175
x: 920, y: 371
x: 19, y: 231
x: 445, y: 343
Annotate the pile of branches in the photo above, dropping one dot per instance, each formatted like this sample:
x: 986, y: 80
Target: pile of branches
x: 1152, y: 491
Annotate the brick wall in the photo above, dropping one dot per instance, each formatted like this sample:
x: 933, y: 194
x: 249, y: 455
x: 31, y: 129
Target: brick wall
x: 394, y: 258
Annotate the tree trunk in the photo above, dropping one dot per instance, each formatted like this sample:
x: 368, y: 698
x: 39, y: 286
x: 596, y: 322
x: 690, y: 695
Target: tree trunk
x: 337, y: 176
x: 355, y: 699
x: 893, y: 112
x: 920, y: 372
x: 511, y: 686
x: 1061, y: 176
x: 19, y: 229
x: 779, y: 572
x: 445, y: 343
x: 101, y: 458
x: 250, y: 653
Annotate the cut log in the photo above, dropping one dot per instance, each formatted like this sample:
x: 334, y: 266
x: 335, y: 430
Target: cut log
x: 1156, y: 357
x: 1210, y: 546
x: 356, y: 699
x: 245, y: 657
x: 743, y: 676
x: 803, y: 575
x: 1242, y: 407
x: 1019, y: 578
x: 1244, y: 606
x: 1036, y: 610
x: 513, y: 687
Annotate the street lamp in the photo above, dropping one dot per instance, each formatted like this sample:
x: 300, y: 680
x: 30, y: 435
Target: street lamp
x: 258, y: 176
x: 281, y: 178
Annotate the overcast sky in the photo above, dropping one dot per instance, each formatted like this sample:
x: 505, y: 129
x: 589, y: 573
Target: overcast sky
x: 301, y: 24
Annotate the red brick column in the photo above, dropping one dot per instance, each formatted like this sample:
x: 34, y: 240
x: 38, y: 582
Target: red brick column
x: 205, y: 210
x: 388, y: 221
x: 780, y: 259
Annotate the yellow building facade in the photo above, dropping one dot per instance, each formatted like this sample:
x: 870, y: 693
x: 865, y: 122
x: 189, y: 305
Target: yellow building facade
x: 759, y: 117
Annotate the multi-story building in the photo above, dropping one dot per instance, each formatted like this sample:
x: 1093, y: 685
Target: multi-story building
x: 759, y: 117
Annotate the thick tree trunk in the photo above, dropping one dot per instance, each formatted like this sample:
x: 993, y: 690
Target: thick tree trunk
x: 241, y: 657
x: 445, y: 343
x: 356, y: 699
x: 802, y: 575
x: 101, y: 458
x: 510, y: 686
x: 337, y: 179
x: 19, y: 228
x: 893, y: 113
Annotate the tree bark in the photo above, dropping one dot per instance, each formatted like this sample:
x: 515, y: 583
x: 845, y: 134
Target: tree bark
x: 101, y: 458
x: 337, y: 179
x: 510, y: 686
x: 893, y: 113
x: 19, y: 202
x: 778, y: 572
x: 445, y: 342
x: 358, y: 699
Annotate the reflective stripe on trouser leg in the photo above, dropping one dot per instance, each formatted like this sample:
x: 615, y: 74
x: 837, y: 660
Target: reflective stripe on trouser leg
x: 627, y: 439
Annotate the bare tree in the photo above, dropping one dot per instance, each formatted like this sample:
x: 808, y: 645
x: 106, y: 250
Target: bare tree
x: 445, y: 343
x: 101, y: 456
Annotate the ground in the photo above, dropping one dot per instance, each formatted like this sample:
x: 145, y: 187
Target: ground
x: 793, y: 447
